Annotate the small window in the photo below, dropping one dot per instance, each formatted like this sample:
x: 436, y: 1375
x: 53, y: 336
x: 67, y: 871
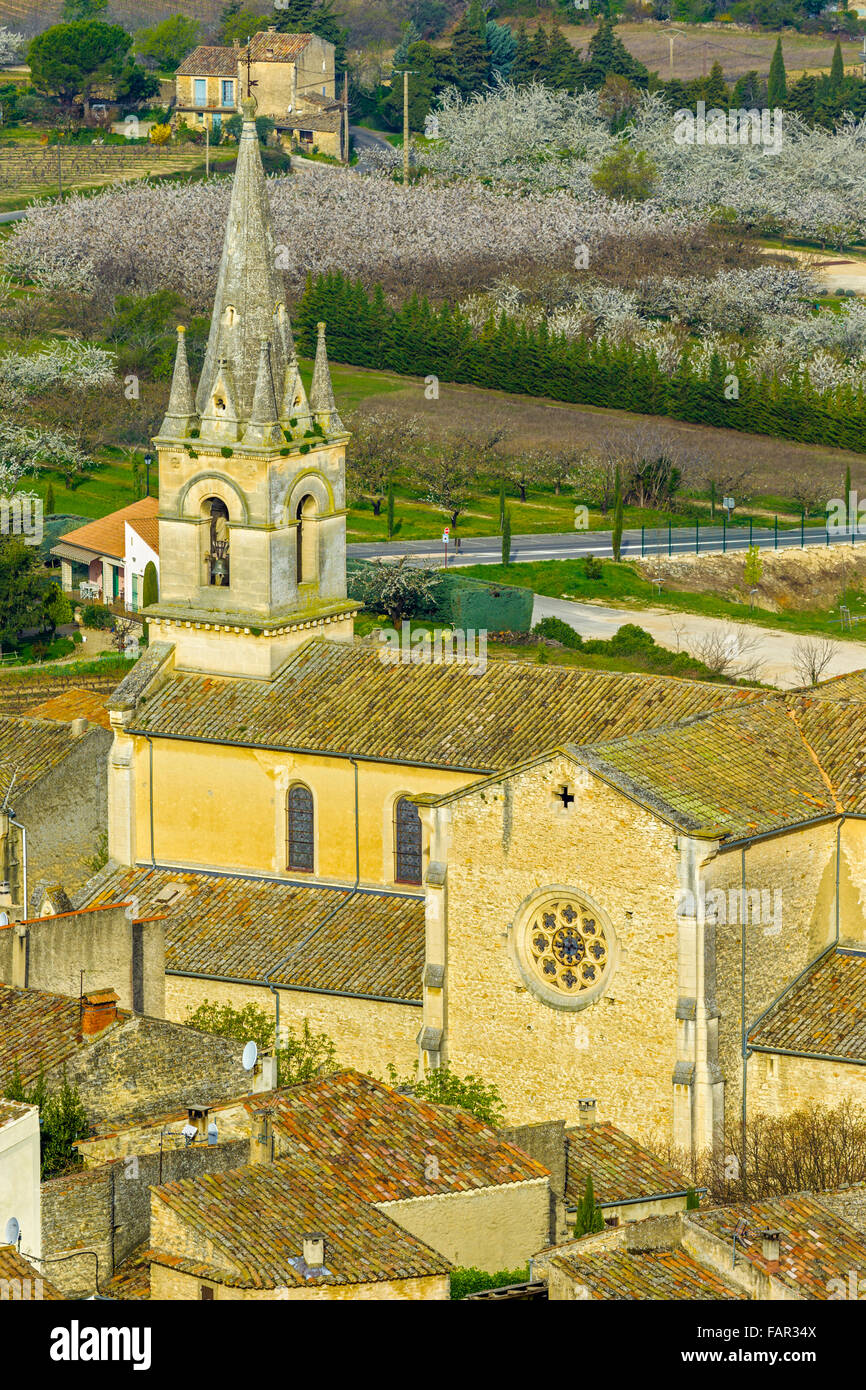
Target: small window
x: 300, y: 845
x: 205, y: 1292
x: 228, y: 98
x: 407, y: 842
x: 200, y: 97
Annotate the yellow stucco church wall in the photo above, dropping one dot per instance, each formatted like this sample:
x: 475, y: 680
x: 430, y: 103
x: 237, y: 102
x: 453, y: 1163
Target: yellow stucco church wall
x: 215, y: 806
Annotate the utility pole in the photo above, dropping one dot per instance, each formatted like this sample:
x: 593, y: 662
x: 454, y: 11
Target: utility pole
x: 405, y: 127
x: 671, y: 66
x: 705, y: 59
x: 346, y: 115
x: 206, y: 149
x: 59, y: 173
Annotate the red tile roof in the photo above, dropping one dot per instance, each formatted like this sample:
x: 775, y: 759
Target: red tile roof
x: 647, y: 1274
x: 210, y: 60
x: 824, y: 1012
x: 106, y: 536
x: 621, y: 1170
x: 20, y: 1281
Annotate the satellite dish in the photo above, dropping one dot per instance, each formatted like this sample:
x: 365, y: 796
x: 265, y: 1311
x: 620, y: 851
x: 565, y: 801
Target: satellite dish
x: 13, y: 1231
x: 250, y: 1057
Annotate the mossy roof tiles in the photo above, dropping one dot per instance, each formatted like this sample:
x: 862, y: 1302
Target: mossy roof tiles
x: 243, y: 928
x: 621, y: 1170
x: 342, y: 699
x: 816, y: 1245
x: 388, y: 1147
x: 255, y: 1219
x: 14, y: 1267
x: 647, y: 1274
x: 824, y: 1012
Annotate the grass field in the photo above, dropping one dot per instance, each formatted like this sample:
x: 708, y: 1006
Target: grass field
x: 621, y: 586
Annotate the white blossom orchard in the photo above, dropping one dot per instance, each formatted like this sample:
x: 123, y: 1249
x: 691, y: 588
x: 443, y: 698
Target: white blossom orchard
x: 142, y: 238
x: 545, y: 140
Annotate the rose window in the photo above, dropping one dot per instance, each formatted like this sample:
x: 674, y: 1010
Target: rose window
x: 566, y: 947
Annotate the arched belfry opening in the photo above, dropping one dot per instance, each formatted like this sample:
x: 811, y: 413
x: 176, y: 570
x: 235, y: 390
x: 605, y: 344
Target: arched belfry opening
x: 307, y: 560
x: 217, y: 557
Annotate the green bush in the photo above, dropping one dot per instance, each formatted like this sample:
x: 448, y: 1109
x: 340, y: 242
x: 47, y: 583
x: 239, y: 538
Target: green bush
x: 593, y: 568
x: 473, y: 1280
x: 94, y: 615
x: 558, y: 631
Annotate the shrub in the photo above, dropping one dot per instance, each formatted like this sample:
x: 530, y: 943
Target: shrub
x: 558, y: 631
x: 473, y: 1280
x: 593, y: 568
x: 94, y: 615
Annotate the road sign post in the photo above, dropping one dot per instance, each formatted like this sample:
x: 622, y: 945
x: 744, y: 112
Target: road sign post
x: 445, y: 538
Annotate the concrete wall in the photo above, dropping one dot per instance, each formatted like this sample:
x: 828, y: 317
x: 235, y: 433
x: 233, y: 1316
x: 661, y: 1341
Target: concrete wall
x: 490, y: 1228
x: 19, y: 1178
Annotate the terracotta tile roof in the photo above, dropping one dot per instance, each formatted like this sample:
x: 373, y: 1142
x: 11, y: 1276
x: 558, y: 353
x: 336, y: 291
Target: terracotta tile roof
x: 131, y: 1278
x: 74, y: 703
x: 29, y: 748
x: 148, y: 528
x: 816, y: 1245
x: 37, y: 1030
x: 647, y: 1274
x: 310, y: 120
x: 824, y: 1012
x: 209, y: 61
x: 106, y: 536
x: 231, y: 925
x: 255, y: 1218
x: 388, y: 1147
x: 277, y: 48
x: 621, y: 1170
x: 14, y: 1267
x: 342, y: 698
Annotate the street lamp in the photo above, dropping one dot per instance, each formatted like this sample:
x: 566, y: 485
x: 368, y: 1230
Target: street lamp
x: 148, y: 460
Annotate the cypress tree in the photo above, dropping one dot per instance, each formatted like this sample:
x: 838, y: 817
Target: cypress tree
x: 502, y: 505
x: 692, y: 1200
x: 149, y: 586
x: 49, y: 500
x: 777, y: 83
x: 589, y: 1218
x: 837, y: 69
x: 616, y: 535
x: 506, y: 537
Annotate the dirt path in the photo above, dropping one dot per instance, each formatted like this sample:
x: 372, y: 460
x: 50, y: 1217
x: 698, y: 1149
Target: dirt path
x: 682, y: 631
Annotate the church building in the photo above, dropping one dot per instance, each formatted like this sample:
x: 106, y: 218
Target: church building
x: 572, y: 883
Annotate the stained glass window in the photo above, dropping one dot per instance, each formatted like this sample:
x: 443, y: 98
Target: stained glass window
x: 407, y: 842
x: 300, y: 829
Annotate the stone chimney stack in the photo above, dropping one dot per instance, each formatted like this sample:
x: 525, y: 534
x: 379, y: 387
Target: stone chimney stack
x: 314, y: 1250
x: 98, y: 1010
x: 770, y: 1246
x: 198, y: 1120
x: 586, y: 1112
x: 261, y: 1138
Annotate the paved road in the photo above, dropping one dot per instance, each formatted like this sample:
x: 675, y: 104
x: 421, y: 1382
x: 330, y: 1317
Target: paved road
x: 366, y: 141
x: 13, y: 216
x: 487, y: 550
x: 773, y: 650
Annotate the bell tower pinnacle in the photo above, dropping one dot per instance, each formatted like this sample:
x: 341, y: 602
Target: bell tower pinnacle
x: 252, y: 522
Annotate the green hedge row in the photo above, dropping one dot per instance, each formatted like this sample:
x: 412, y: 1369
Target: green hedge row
x: 418, y: 340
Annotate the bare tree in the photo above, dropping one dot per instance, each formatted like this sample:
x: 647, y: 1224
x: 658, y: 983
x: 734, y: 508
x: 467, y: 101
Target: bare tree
x: 811, y: 657
x: 382, y: 442
x: 448, y: 473
x: 729, y: 650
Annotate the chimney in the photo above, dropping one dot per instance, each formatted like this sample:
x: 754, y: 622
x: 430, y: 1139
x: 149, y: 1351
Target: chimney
x: 265, y: 1075
x: 770, y: 1243
x: 586, y: 1112
x: 197, y: 1120
x: 261, y: 1137
x: 272, y: 28
x: 314, y: 1250
x: 78, y: 726
x: 98, y: 1010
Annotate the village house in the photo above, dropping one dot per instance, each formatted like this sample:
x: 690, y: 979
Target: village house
x: 54, y: 800
x: 294, y: 80
x: 115, y: 550
x: 801, y: 1247
x: 20, y: 1212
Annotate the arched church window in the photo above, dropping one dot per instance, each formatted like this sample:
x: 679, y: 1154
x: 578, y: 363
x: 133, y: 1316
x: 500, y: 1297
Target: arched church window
x: 305, y: 540
x: 218, y: 543
x: 407, y: 842
x: 300, y: 827
x: 564, y: 948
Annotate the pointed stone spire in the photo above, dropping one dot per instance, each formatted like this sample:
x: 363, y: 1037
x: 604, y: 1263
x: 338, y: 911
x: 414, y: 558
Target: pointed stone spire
x: 322, y: 402
x: 295, y: 404
x: 249, y: 303
x: 220, y: 420
x: 180, y: 417
x: 264, y: 428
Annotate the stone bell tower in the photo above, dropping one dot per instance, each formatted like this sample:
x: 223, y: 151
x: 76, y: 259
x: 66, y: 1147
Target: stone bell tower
x: 252, y: 520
